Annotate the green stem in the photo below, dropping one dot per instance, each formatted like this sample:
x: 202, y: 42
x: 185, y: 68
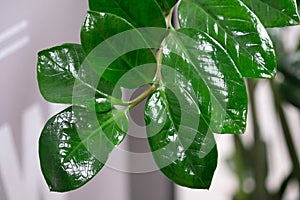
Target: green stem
x: 158, y: 75
x: 240, y: 166
x: 159, y: 53
x: 286, y: 132
x: 251, y: 87
x: 258, y: 149
x: 168, y: 19
x: 284, y: 185
x: 141, y: 97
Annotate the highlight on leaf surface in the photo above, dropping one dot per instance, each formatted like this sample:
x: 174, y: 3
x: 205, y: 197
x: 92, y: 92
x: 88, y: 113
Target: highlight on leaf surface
x: 195, y: 75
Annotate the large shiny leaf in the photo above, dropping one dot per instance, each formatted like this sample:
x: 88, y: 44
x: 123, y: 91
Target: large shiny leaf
x: 75, y: 144
x: 275, y: 13
x: 166, y: 5
x: 182, y: 146
x: 57, y: 70
x: 206, y: 69
x: 97, y: 29
x: 133, y: 11
x: 237, y: 29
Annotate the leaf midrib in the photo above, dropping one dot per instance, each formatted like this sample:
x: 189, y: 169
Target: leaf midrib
x: 230, y: 35
x: 107, y: 122
x: 75, y: 77
x: 200, y: 74
x: 173, y: 124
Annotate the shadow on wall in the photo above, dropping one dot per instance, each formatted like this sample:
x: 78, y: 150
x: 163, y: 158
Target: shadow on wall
x: 30, y: 26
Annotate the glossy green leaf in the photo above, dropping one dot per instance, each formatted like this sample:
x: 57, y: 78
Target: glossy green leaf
x: 199, y: 79
x: 135, y: 12
x: 100, y: 27
x: 275, y: 13
x: 184, y: 150
x: 237, y: 29
x: 57, y: 71
x: 166, y: 5
x: 206, y: 69
x: 97, y: 27
x: 75, y: 144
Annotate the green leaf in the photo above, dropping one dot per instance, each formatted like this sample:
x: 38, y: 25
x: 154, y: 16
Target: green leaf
x: 99, y: 29
x: 166, y: 5
x: 237, y: 29
x: 205, y: 68
x: 75, y: 144
x: 144, y: 13
x: 275, y: 13
x: 182, y: 147
x: 57, y: 70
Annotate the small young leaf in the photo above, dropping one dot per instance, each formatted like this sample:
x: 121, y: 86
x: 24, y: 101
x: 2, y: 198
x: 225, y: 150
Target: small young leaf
x: 237, y: 29
x: 275, y: 13
x: 75, y: 144
x: 185, y: 152
x: 144, y: 13
x: 211, y: 74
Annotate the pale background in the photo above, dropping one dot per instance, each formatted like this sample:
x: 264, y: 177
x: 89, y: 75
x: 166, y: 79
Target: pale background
x: 27, y: 27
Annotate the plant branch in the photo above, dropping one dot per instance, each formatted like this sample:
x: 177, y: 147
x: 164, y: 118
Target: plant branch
x: 286, y: 132
x: 251, y: 87
x: 258, y: 151
x: 284, y: 185
x: 158, y: 76
x: 141, y: 97
x: 168, y: 19
x: 240, y: 165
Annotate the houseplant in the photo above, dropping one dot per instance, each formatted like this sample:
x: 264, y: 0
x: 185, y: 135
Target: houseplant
x: 195, y: 75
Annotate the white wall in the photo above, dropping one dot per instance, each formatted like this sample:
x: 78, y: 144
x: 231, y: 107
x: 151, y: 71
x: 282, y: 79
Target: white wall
x: 25, y: 28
